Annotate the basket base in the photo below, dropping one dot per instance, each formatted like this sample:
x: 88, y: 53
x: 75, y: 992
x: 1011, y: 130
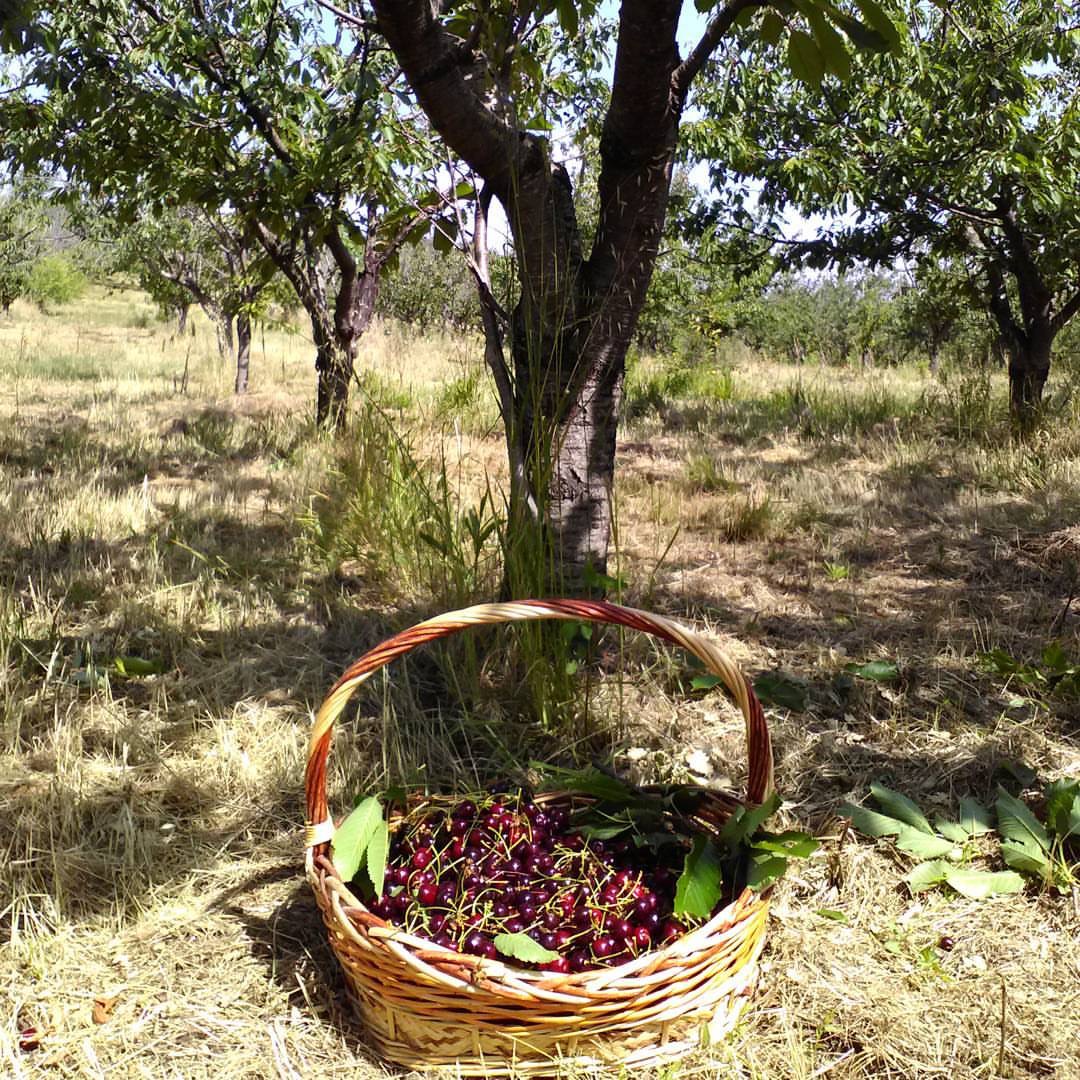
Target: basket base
x: 466, y: 1050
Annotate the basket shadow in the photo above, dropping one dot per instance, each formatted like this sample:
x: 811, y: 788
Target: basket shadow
x: 292, y: 945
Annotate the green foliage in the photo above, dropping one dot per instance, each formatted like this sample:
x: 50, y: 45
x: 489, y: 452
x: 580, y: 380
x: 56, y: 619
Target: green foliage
x: 699, y: 886
x: 910, y: 160
x: 522, y: 947
x: 23, y: 221
x: 741, y: 853
x: 1054, y: 673
x: 1049, y: 852
x: 356, y: 838
x: 430, y: 291
x: 54, y: 279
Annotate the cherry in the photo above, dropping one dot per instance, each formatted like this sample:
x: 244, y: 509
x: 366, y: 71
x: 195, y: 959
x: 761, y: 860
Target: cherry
x: 671, y: 930
x: 421, y: 857
x: 580, y: 960
x: 603, y: 946
x: 427, y: 893
x: 476, y: 943
x: 561, y: 964
x: 642, y: 938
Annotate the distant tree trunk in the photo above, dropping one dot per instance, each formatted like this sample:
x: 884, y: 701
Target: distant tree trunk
x: 336, y: 332
x: 224, y: 331
x: 243, y: 351
x: 935, y: 357
x: 182, y: 318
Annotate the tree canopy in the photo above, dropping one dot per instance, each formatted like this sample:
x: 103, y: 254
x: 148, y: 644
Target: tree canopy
x: 962, y: 145
x: 267, y: 109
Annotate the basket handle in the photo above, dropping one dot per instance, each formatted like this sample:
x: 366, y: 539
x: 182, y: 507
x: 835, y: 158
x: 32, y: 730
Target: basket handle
x: 320, y: 827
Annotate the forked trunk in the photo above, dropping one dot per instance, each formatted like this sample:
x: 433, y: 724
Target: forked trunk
x: 243, y: 351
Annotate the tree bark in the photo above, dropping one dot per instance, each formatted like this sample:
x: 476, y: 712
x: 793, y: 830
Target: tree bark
x: 1029, y: 368
x: 337, y: 331
x: 182, y: 318
x: 243, y: 351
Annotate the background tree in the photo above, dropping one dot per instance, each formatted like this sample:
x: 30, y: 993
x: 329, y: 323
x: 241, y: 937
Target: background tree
x: 964, y: 146
x: 23, y: 224
x: 475, y: 69
x: 251, y: 105
x: 212, y: 259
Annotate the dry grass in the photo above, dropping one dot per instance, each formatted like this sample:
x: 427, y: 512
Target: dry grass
x: 155, y: 918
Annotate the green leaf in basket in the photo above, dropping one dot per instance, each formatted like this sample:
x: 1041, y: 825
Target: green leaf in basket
x: 590, y: 782
x: 603, y: 832
x: 765, y: 869
x: 900, y: 807
x: 744, y: 823
x: 377, y: 851
x: 351, y: 841
x: 698, y: 888
x: 522, y: 947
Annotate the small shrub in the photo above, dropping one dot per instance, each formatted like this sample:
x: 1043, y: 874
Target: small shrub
x: 54, y: 279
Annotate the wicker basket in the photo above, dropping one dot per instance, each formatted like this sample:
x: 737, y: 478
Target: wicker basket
x: 431, y: 1008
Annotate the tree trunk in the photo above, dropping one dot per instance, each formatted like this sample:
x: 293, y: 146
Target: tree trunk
x: 182, y: 318
x: 243, y: 351
x: 336, y: 341
x: 1029, y: 368
x: 572, y: 327
x: 223, y: 330
x: 935, y: 358
x: 568, y: 445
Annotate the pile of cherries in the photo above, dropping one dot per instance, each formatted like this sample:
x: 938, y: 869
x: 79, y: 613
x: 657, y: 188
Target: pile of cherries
x: 463, y: 874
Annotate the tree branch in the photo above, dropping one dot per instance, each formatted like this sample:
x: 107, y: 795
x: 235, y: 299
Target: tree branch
x: 450, y: 95
x: 1067, y: 310
x: 714, y: 33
